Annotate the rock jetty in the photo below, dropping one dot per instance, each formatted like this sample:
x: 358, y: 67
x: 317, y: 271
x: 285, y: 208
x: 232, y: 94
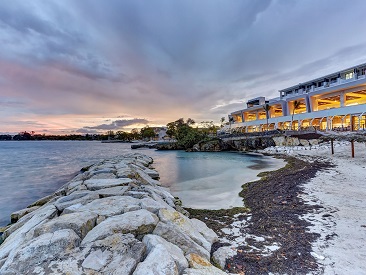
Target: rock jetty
x: 114, y: 218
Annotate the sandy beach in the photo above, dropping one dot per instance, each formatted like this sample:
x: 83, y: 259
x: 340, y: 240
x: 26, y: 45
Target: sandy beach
x: 341, y: 190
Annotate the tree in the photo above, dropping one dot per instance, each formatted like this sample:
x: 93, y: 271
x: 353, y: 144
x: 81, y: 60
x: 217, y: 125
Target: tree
x: 296, y: 106
x: 184, y: 133
x: 222, y: 120
x: 135, y: 133
x: 147, y: 132
x: 267, y: 108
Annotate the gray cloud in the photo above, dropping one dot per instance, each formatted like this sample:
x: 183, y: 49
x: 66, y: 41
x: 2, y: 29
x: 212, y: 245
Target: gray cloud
x: 118, y: 124
x: 167, y: 59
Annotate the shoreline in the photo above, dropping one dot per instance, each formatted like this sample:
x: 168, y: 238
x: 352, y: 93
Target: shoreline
x: 326, y: 230
x: 266, y: 235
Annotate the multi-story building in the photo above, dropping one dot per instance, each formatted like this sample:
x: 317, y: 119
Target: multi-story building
x: 332, y: 102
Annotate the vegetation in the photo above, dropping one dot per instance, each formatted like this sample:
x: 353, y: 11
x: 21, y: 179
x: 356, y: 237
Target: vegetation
x: 187, y: 135
x: 146, y: 133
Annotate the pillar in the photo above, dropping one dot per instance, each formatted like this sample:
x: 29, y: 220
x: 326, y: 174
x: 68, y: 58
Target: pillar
x: 342, y: 99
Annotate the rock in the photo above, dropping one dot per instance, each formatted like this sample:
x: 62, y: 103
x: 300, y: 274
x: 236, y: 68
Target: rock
x: 279, y: 141
x: 185, y: 224
x: 19, y: 235
x: 152, y: 173
x: 153, y: 205
x: 82, y: 197
x: 96, y: 184
x: 304, y: 142
x: 175, y: 235
x: 145, y: 178
x: 314, y: 142
x: 15, y: 216
x: 221, y: 254
x: 174, y: 251
x: 115, y: 254
x: 154, y: 265
x: 135, y: 222
x: 109, y: 206
x: 206, y: 232
x: 42, y: 201
x: 97, y: 259
x: 201, y: 266
x: 28, y: 256
x: 80, y: 223
x: 292, y: 141
x: 113, y: 191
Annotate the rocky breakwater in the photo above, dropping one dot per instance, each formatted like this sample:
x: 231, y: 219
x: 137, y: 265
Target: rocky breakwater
x: 114, y: 218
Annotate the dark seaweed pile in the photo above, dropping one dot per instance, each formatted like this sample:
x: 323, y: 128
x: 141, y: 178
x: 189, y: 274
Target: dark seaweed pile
x: 275, y: 208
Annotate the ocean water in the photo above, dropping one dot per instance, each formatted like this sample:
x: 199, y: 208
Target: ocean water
x: 30, y: 170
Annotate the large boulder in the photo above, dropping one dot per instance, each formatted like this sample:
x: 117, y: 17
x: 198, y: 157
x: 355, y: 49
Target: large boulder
x: 154, y: 265
x: 151, y: 241
x: 135, y: 222
x: 28, y: 256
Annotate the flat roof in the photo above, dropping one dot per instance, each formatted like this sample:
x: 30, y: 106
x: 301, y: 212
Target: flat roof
x: 320, y: 78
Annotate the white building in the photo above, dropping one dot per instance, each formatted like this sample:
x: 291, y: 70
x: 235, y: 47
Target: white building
x: 332, y: 102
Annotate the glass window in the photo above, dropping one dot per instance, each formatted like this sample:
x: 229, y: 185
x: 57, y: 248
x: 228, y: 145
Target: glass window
x: 349, y: 75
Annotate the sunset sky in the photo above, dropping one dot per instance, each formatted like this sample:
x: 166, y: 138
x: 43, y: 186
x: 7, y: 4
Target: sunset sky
x: 90, y: 66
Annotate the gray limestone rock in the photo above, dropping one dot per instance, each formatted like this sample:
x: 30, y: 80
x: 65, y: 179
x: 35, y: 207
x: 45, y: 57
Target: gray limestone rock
x: 175, y: 235
x: 206, y: 232
x: 221, y: 254
x: 18, y: 236
x: 201, y: 266
x: 109, y: 206
x: 155, y: 265
x: 46, y: 247
x: 80, y: 223
x: 151, y: 241
x: 96, y: 184
x: 15, y: 216
x: 184, y: 224
x: 136, y: 222
x: 82, y: 197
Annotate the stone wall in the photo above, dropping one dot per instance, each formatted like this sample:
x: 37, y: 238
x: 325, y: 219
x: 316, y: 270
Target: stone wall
x: 114, y: 218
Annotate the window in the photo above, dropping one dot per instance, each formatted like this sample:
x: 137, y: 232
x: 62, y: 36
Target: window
x: 349, y: 75
x: 363, y: 71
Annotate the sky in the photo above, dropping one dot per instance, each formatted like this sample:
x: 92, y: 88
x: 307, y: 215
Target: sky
x: 91, y: 66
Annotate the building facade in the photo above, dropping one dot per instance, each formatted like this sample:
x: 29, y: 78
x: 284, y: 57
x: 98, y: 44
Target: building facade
x: 333, y: 102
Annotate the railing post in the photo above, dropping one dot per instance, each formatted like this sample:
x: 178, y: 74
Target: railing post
x: 353, y: 148
x: 331, y: 144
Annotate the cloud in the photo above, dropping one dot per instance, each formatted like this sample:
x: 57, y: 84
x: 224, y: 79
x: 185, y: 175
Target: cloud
x: 165, y: 59
x: 118, y: 124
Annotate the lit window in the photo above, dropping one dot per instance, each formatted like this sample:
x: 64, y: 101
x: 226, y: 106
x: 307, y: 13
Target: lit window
x: 349, y: 75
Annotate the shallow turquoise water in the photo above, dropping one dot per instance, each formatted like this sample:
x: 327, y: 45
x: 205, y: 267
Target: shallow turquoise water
x: 30, y: 170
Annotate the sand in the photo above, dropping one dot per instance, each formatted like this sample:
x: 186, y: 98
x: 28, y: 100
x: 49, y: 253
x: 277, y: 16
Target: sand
x: 341, y: 248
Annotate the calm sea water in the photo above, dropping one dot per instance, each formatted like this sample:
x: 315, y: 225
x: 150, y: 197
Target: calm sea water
x: 30, y: 170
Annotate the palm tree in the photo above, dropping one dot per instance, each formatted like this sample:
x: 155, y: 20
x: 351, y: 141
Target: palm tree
x: 267, y: 108
x: 295, y: 107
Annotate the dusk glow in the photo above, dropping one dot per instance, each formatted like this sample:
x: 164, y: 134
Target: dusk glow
x: 93, y: 66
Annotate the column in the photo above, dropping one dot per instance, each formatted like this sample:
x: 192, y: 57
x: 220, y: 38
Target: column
x: 342, y: 99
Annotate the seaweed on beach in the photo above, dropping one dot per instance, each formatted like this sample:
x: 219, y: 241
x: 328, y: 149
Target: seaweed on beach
x: 275, y: 209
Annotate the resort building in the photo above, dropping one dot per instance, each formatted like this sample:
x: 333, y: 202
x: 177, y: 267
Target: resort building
x: 333, y: 102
